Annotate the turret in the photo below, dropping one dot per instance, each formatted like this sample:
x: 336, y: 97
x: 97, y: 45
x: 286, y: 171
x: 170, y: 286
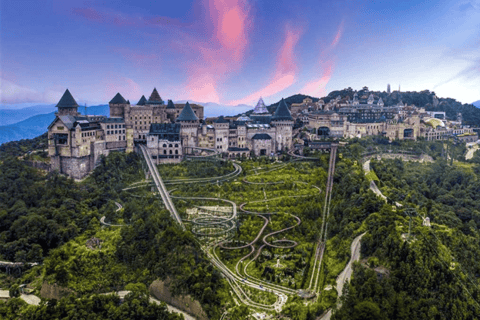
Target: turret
x: 117, y: 106
x: 67, y: 105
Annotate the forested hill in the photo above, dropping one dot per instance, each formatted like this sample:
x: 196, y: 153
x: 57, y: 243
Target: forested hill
x: 422, y: 99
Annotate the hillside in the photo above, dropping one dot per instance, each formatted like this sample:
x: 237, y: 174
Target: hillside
x: 476, y: 104
x: 37, y: 125
x: 11, y: 116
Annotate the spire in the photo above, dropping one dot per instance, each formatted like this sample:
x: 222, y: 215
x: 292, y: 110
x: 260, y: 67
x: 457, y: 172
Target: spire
x: 142, y: 101
x: 67, y: 101
x: 170, y: 105
x: 260, y: 107
x: 155, y: 97
x: 282, y: 112
x: 187, y: 114
x: 118, y: 99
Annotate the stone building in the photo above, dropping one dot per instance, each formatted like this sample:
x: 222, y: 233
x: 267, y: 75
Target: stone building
x: 77, y: 142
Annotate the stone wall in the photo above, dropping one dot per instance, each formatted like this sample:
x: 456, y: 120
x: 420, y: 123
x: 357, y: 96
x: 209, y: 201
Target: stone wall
x: 76, y: 168
x: 39, y: 165
x: 160, y: 290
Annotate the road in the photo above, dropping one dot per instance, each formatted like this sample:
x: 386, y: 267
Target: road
x: 170, y: 308
x: 373, y: 185
x: 347, y: 272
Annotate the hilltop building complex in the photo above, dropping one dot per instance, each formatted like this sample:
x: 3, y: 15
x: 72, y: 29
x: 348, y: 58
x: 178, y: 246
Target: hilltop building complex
x: 76, y: 142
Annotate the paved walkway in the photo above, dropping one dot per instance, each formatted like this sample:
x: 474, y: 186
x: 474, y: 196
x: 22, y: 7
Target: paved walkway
x: 170, y: 308
x: 347, y: 272
x: 28, y: 298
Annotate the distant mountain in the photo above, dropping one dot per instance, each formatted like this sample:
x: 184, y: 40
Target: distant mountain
x: 477, y: 104
x: 10, y: 116
x: 37, y: 125
x: 212, y: 109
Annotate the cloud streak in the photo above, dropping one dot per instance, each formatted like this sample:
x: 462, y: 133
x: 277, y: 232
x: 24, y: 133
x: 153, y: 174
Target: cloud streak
x: 286, y: 69
x: 317, y: 87
x: 11, y: 93
x: 224, y: 52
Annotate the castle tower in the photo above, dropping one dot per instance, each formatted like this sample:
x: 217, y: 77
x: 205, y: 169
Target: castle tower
x: 142, y: 101
x: 355, y: 101
x: 282, y: 120
x: 371, y: 99
x: 117, y: 106
x: 67, y: 105
x: 221, y: 126
x: 188, y: 126
x: 155, y: 98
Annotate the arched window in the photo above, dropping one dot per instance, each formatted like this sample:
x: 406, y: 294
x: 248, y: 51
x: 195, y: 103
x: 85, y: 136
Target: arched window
x: 176, y: 145
x: 170, y: 151
x: 176, y: 151
x: 164, y: 145
x: 164, y: 151
x: 170, y: 145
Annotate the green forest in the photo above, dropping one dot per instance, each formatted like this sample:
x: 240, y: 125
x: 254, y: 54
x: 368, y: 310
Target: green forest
x: 406, y: 271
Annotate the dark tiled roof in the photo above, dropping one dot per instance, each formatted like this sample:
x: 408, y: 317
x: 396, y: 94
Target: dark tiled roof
x: 262, y: 136
x: 237, y: 149
x: 67, y: 101
x: 160, y: 128
x: 260, y: 119
x: 118, y: 99
x: 68, y: 120
x: 170, y: 105
x: 155, y: 97
x: 221, y: 119
x: 187, y: 114
x: 142, y: 101
x: 282, y: 112
x: 113, y: 120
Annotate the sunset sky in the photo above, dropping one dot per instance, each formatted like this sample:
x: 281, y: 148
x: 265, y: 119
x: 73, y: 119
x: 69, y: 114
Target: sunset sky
x: 234, y: 51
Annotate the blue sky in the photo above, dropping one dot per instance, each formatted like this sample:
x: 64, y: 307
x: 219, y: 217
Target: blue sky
x: 234, y: 51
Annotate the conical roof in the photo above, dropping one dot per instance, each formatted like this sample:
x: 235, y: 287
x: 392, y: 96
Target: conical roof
x: 170, y: 105
x: 155, y: 97
x: 187, y: 114
x: 67, y: 101
x: 118, y: 99
x: 282, y: 112
x: 142, y: 101
x: 260, y: 107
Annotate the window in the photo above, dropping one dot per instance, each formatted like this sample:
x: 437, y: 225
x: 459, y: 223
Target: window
x: 108, y: 126
x: 170, y: 145
x: 176, y: 145
x: 116, y: 131
x: 176, y: 151
x: 164, y: 151
x: 170, y: 151
x: 164, y: 145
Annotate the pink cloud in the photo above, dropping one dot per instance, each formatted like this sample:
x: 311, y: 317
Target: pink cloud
x: 223, y: 54
x: 317, y: 87
x: 338, y: 35
x: 285, y: 72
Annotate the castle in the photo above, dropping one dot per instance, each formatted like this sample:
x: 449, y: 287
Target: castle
x: 76, y: 142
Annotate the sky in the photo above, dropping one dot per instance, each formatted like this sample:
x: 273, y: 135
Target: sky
x: 235, y: 51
